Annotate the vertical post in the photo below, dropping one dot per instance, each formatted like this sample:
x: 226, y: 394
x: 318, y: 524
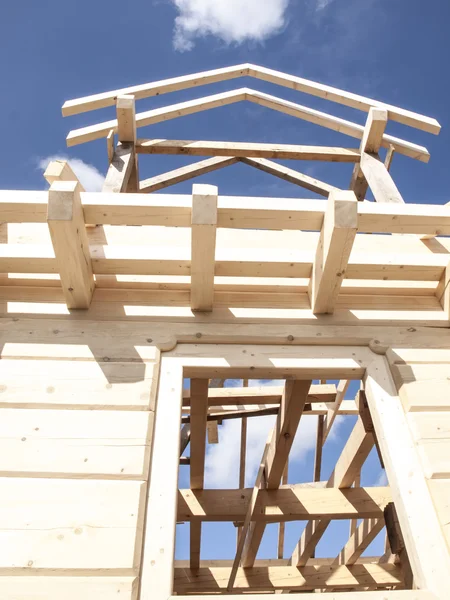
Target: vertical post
x: 422, y: 533
x: 157, y: 564
x: 243, y: 453
x: 203, y: 246
x: 127, y: 133
x: 70, y: 243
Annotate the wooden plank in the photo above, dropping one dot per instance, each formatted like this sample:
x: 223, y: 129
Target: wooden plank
x: 199, y: 413
x: 212, y: 431
x: 334, y: 123
x: 102, y: 100
x: 158, y: 115
x: 389, y: 157
x: 431, y: 432
x: 68, y: 234
x: 203, y: 246
x: 424, y: 540
x: 359, y: 541
x: 348, y: 466
x: 159, y: 533
x: 333, y: 250
x: 443, y: 291
x: 297, y: 502
x: 282, y: 526
x: 319, y: 446
x: 371, y: 142
x: 291, y: 409
x: 288, y: 578
x: 379, y: 179
x: 69, y: 524
x: 261, y: 394
x: 365, y: 595
x: 74, y: 444
x: 247, y: 150
x: 48, y: 587
x: 120, y: 169
x: 185, y: 173
x: 333, y: 408
x: 110, y: 145
x: 304, y: 181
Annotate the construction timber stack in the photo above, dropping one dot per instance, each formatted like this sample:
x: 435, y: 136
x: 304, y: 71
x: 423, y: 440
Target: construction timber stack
x: 102, y: 321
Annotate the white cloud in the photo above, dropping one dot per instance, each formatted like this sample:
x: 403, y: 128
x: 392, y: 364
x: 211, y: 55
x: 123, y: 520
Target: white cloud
x: 90, y: 177
x: 322, y: 4
x: 233, y: 21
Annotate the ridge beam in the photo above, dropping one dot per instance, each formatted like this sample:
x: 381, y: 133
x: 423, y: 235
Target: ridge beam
x: 203, y: 246
x: 70, y: 243
x: 371, y: 142
x: 333, y: 250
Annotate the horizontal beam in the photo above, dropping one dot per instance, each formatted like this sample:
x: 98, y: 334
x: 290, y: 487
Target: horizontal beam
x: 365, y: 595
x: 261, y: 394
x: 174, y: 111
x: 247, y: 150
x: 158, y: 88
x: 236, y: 212
x: 230, y: 262
x: 287, y: 503
x: 360, y: 576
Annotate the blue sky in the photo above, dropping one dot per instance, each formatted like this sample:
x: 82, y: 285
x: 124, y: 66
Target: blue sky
x: 393, y: 51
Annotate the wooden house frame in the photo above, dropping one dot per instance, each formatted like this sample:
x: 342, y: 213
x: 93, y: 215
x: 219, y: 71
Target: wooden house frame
x: 102, y: 321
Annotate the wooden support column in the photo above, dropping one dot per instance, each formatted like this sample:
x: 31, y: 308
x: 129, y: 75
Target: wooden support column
x: 199, y: 414
x: 242, y: 458
x: 333, y: 407
x: 379, y: 179
x: 159, y: 534
x: 70, y: 243
x: 421, y: 530
x: 371, y: 142
x: 203, y: 246
x: 333, y: 250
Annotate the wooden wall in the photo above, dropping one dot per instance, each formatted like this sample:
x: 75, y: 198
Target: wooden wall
x: 76, y: 424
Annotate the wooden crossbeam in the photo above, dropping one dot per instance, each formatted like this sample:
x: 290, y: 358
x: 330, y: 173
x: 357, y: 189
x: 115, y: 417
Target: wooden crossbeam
x: 356, y: 577
x: 379, y: 179
x: 247, y: 150
x: 304, y: 181
x: 349, y: 464
x: 158, y: 115
x: 297, y: 502
x: 199, y: 413
x: 333, y: 250
x: 333, y: 408
x: 185, y: 173
x: 73, y: 107
x: 291, y: 408
x: 360, y: 540
x: 126, y: 134
x: 371, y: 142
x: 70, y: 243
x: 203, y: 246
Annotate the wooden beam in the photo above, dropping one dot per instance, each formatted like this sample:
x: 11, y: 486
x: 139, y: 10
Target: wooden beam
x: 302, y: 595
x: 304, y: 181
x: 297, y: 502
x: 247, y: 150
x: 282, y: 526
x: 371, y: 142
x: 389, y: 157
x: 79, y: 105
x: 333, y: 250
x: 333, y: 408
x: 110, y: 145
x: 165, y: 113
x: 443, y: 291
x: 126, y: 133
x: 199, y: 413
x: 185, y: 173
x: 157, y: 563
x: 379, y: 179
x: 60, y: 170
x: 291, y: 410
x: 203, y: 246
x: 354, y: 577
x: 421, y: 530
x: 120, y: 169
x: 360, y: 540
x: 319, y: 447
x: 352, y: 457
x: 335, y: 123
x: 70, y: 243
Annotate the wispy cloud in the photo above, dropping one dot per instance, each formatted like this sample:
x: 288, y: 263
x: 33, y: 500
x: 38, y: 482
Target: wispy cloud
x: 90, y: 177
x: 232, y: 21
